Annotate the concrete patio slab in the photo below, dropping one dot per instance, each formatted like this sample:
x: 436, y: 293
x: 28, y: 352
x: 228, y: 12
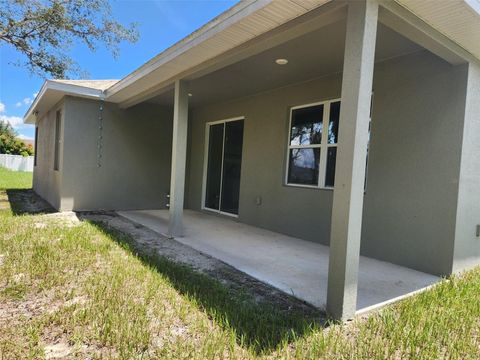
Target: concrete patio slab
x: 295, y: 266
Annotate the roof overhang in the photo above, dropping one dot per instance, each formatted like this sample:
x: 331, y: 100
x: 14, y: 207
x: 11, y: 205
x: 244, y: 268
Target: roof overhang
x: 457, y: 20
x: 449, y: 29
x: 52, y: 92
x: 243, y: 22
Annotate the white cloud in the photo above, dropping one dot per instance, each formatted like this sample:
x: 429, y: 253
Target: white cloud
x: 26, y: 101
x: 24, y: 137
x: 15, y: 121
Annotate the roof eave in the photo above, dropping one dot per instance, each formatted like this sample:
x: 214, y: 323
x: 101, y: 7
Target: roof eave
x: 49, y: 86
x: 234, y: 14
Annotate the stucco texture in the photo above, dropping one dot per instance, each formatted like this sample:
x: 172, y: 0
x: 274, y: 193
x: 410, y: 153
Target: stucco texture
x: 409, y: 208
x: 46, y: 180
x: 467, y: 241
x: 135, y: 156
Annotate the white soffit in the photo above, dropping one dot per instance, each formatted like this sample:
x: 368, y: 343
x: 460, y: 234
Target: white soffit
x: 459, y: 20
x: 243, y: 22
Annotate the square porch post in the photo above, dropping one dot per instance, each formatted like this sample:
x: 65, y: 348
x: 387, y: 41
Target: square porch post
x: 179, y: 159
x: 351, y: 156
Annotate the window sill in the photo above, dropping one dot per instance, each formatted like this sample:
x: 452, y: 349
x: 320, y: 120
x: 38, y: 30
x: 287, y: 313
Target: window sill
x: 313, y: 187
x: 219, y: 213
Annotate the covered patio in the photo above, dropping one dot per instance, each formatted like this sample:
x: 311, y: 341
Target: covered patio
x: 350, y: 124
x: 295, y: 266
x: 387, y: 73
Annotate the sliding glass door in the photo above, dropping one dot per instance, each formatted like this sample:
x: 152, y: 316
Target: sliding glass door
x: 223, y: 169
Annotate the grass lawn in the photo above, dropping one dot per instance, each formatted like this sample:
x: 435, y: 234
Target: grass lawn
x: 11, y: 179
x: 76, y: 290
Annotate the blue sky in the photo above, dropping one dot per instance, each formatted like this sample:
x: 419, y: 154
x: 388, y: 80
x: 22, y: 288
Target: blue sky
x: 160, y: 24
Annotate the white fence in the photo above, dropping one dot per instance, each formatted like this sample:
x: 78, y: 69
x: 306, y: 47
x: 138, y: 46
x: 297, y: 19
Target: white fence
x: 16, y: 162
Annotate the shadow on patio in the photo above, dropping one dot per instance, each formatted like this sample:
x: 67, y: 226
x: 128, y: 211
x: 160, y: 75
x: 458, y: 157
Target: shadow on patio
x: 261, y: 317
x: 292, y: 265
x: 259, y: 325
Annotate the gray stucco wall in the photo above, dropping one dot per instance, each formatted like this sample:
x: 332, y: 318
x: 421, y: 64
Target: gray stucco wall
x: 409, y: 208
x: 290, y: 210
x: 46, y: 181
x: 136, y: 155
x: 409, y: 214
x: 467, y: 243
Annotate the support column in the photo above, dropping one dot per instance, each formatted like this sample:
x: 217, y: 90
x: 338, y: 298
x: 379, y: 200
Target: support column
x: 351, y: 156
x: 179, y: 159
x: 467, y: 233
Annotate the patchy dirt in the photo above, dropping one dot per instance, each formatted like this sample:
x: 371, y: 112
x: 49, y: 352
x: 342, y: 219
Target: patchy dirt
x: 30, y: 307
x: 67, y: 219
x: 26, y: 201
x: 57, y: 351
x: 4, y: 204
x: 147, y: 241
x: 58, y: 342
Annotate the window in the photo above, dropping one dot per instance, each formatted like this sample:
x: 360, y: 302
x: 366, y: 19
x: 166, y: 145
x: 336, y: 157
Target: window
x: 312, y: 147
x: 333, y: 121
x: 56, y: 160
x: 35, y: 147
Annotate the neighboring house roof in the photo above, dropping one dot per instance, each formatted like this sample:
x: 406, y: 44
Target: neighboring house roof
x: 29, y: 142
x: 214, y: 45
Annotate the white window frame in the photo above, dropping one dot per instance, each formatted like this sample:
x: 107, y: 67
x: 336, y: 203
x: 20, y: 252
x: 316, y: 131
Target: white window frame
x: 205, y: 165
x: 323, y: 146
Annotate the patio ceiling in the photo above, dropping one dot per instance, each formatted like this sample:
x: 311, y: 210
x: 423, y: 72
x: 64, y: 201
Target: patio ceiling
x: 312, y: 55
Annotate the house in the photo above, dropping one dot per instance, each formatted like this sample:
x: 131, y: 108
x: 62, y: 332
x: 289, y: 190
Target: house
x: 353, y: 124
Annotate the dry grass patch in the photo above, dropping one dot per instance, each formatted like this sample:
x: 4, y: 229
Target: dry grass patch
x: 74, y: 292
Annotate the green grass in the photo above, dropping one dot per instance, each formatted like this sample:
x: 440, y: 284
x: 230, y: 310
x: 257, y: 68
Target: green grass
x: 15, y: 179
x: 80, y: 289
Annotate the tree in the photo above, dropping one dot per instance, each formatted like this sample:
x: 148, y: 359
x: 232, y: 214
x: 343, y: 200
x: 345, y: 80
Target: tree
x: 10, y: 143
x: 44, y: 30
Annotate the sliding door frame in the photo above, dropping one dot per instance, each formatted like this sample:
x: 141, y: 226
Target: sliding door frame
x: 205, y: 164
